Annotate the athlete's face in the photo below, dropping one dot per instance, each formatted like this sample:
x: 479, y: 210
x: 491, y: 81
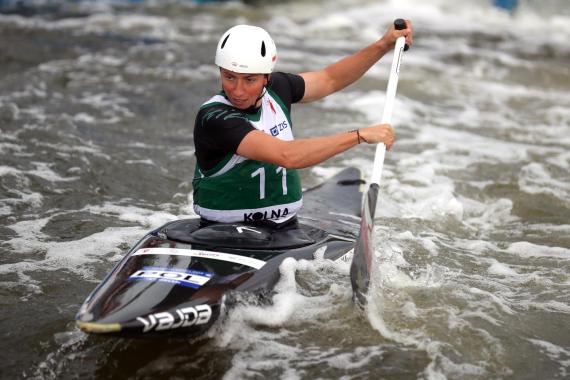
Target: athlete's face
x: 242, y: 89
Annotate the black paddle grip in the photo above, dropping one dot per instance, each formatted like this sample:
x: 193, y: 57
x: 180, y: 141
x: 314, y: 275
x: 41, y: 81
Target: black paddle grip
x: 400, y: 24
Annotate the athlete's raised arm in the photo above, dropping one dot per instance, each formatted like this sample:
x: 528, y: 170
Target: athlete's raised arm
x: 348, y: 70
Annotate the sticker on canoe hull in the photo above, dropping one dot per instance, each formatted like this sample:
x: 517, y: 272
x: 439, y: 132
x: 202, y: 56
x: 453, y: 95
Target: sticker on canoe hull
x: 243, y: 260
x: 185, y: 317
x: 189, y: 278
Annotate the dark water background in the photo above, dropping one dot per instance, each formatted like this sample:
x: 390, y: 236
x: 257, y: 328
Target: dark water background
x: 97, y: 102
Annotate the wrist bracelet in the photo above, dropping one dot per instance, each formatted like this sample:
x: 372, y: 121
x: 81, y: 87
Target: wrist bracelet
x: 360, y: 137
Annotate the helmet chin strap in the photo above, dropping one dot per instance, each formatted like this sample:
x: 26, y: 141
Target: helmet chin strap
x: 253, y: 108
x: 263, y: 92
x: 264, y: 89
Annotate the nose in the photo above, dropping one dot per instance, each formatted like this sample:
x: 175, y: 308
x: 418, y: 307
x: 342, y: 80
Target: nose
x: 239, y: 87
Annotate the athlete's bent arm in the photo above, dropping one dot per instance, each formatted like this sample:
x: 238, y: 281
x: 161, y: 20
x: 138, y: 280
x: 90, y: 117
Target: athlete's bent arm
x: 348, y: 70
x: 302, y: 153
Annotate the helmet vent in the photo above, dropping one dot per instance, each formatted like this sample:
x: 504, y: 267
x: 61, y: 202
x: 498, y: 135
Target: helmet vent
x: 225, y: 40
x: 263, y: 48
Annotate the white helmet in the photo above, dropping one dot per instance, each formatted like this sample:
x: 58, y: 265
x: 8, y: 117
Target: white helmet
x: 247, y: 49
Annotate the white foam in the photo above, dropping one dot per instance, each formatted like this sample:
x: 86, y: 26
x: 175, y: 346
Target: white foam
x: 29, y: 241
x: 440, y: 206
x: 496, y: 299
x: 8, y: 170
x: 426, y: 242
x: 562, y: 160
x: 371, y: 103
x: 325, y: 173
x: 85, y: 147
x: 536, y: 179
x: 475, y: 247
x: 84, y: 118
x: 43, y: 170
x: 480, y: 148
x: 9, y: 111
x: 551, y: 306
x: 72, y: 256
x: 483, y: 314
x: 173, y: 73
x: 268, y: 354
x: 112, y: 106
x: 147, y: 161
x: 51, y: 367
x: 358, y: 358
x: 288, y: 306
x: 529, y: 250
x: 410, y: 310
x: 283, y: 347
x: 105, y: 21
x: 555, y: 352
x: 77, y: 256
x: 285, y: 303
x: 188, y: 208
x: 33, y: 200
x: 392, y: 270
x: 394, y: 312
x: 145, y: 217
x: 460, y: 106
x: 101, y: 59
x: 435, y: 202
x: 5, y: 210
x: 501, y: 269
x: 488, y: 215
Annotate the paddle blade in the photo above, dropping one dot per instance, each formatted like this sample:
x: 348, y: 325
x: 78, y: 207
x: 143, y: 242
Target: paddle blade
x: 364, y: 248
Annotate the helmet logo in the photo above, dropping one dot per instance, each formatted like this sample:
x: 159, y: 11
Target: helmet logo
x: 263, y: 48
x: 237, y: 65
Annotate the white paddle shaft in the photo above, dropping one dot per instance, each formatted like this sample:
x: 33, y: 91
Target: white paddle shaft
x: 388, y: 106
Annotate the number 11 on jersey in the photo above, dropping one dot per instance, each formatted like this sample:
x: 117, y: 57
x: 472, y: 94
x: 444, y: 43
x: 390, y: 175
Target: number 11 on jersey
x: 261, y: 173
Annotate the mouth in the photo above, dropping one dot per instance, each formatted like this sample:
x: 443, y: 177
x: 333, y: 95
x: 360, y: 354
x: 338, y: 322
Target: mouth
x: 240, y: 103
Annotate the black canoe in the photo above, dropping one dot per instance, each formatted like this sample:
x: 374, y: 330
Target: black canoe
x: 180, y: 278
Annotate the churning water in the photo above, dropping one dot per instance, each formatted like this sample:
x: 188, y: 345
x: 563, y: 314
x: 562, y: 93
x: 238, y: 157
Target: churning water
x: 97, y: 103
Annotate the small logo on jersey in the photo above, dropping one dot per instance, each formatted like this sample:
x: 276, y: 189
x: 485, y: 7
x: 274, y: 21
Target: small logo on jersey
x: 278, y: 128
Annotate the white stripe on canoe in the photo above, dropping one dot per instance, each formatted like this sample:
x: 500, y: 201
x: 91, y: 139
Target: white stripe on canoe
x: 243, y: 260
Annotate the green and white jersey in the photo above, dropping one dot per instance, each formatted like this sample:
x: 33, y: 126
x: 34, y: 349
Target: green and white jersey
x: 238, y: 189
